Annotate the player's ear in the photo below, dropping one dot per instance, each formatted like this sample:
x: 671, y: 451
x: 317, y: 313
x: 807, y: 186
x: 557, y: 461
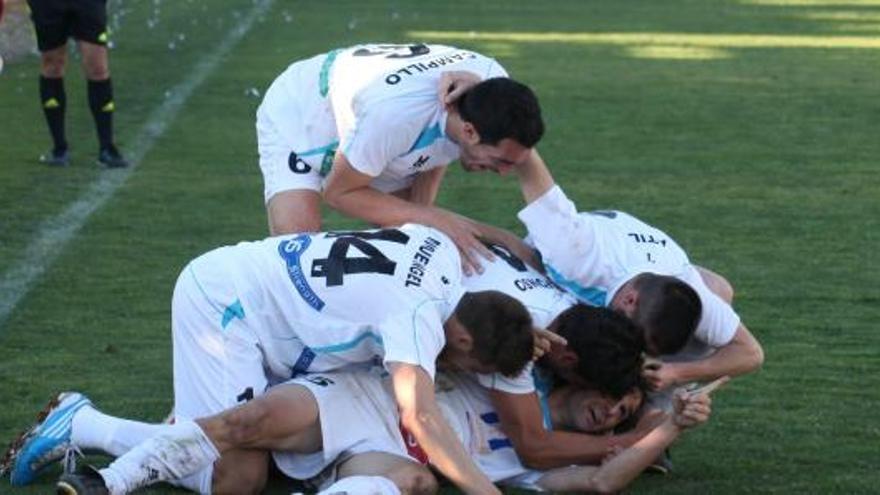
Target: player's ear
x: 470, y: 134
x: 457, y: 335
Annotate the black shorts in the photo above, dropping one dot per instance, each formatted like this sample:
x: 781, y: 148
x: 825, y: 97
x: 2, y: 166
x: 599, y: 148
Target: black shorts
x: 57, y: 20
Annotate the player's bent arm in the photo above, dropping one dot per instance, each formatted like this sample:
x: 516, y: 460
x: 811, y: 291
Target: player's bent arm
x: 743, y: 354
x: 538, y: 448
x: 349, y: 191
x: 414, y: 391
x: 426, y: 185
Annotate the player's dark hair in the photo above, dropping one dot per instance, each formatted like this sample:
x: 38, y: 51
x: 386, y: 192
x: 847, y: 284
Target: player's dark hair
x: 501, y: 328
x: 668, y: 311
x: 609, y: 347
x: 502, y: 108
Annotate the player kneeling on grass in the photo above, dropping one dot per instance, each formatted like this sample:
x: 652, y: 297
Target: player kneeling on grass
x: 247, y: 315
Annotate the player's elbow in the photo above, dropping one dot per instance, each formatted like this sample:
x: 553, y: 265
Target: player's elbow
x: 334, y: 197
x: 535, y: 452
x: 417, y: 420
x: 756, y: 357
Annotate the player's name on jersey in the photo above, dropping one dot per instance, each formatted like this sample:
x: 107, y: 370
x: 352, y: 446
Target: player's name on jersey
x: 435, y: 63
x: 526, y: 284
x: 420, y: 262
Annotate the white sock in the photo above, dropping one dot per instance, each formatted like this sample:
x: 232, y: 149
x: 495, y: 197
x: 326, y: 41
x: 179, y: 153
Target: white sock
x: 181, y: 451
x: 93, y: 429
x: 362, y: 485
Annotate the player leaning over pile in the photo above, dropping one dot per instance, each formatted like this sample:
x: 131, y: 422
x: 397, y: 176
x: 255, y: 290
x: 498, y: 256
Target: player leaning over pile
x: 363, y: 129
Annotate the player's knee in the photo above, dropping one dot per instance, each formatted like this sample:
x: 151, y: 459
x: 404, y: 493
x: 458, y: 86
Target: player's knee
x: 244, y: 423
x: 290, y: 224
x: 52, y: 64
x: 241, y: 474
x: 415, y: 480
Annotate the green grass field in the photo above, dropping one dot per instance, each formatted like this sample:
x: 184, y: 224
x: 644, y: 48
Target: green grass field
x: 749, y: 130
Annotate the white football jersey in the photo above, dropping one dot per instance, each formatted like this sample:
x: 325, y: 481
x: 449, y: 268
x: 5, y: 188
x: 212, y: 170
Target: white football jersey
x: 379, y: 104
x: 541, y: 297
x: 468, y: 409
x: 322, y: 301
x: 593, y: 254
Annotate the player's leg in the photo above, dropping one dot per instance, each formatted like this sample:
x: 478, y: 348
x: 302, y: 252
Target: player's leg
x: 52, y: 26
x: 296, y: 138
x: 225, y: 446
x: 90, y: 30
x: 294, y: 211
x: 409, y: 476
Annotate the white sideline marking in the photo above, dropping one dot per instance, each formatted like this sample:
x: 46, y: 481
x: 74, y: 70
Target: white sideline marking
x: 55, y: 232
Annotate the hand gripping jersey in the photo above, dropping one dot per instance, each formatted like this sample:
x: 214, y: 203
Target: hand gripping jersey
x: 593, y: 254
x: 378, y: 103
x: 323, y: 301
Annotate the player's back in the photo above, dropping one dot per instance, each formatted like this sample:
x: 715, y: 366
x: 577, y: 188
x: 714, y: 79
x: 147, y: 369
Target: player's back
x: 512, y: 276
x: 323, y: 290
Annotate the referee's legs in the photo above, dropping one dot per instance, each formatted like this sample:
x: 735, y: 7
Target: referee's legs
x: 52, y: 96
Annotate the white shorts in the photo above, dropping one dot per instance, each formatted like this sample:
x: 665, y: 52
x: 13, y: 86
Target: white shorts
x: 296, y: 130
x: 217, y: 362
x: 358, y: 415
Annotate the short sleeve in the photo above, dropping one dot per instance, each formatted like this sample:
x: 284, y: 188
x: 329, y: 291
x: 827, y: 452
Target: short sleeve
x: 719, y: 321
x: 377, y: 138
x: 519, y: 384
x: 415, y: 338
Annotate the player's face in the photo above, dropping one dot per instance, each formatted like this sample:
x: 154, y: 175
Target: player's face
x: 499, y: 158
x: 593, y: 412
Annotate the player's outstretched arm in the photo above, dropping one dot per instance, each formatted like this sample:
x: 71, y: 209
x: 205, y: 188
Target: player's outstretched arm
x: 414, y: 391
x: 538, y: 448
x: 617, y: 472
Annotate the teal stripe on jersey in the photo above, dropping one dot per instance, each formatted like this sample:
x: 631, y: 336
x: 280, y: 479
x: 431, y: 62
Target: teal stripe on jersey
x: 324, y: 76
x: 591, y: 295
x: 543, y: 385
x: 321, y: 150
x: 427, y: 136
x: 329, y: 349
x: 233, y: 311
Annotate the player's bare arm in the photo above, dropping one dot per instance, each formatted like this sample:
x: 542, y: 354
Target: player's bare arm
x: 349, y: 191
x: 691, y: 410
x: 426, y: 185
x: 534, y: 177
x: 414, y: 392
x: 742, y: 355
x: 539, y: 448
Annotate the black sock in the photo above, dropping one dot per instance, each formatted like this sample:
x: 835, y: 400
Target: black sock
x: 102, y: 106
x: 54, y: 102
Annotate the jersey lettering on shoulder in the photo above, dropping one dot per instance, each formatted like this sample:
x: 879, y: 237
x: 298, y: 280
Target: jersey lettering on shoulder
x: 512, y: 276
x: 390, y: 122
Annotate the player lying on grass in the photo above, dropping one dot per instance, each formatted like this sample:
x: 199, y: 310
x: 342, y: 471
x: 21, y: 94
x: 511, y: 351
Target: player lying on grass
x: 247, y: 315
x: 362, y: 129
x: 604, y: 351
x: 308, y: 421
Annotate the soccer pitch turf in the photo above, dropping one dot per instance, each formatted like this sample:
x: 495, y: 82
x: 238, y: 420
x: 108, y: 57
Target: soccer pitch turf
x: 748, y: 130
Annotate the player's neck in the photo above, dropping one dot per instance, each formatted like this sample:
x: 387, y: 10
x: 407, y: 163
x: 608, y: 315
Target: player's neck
x: 454, y: 126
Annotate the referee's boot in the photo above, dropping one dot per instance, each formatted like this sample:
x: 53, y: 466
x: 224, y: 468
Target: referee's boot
x: 110, y: 157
